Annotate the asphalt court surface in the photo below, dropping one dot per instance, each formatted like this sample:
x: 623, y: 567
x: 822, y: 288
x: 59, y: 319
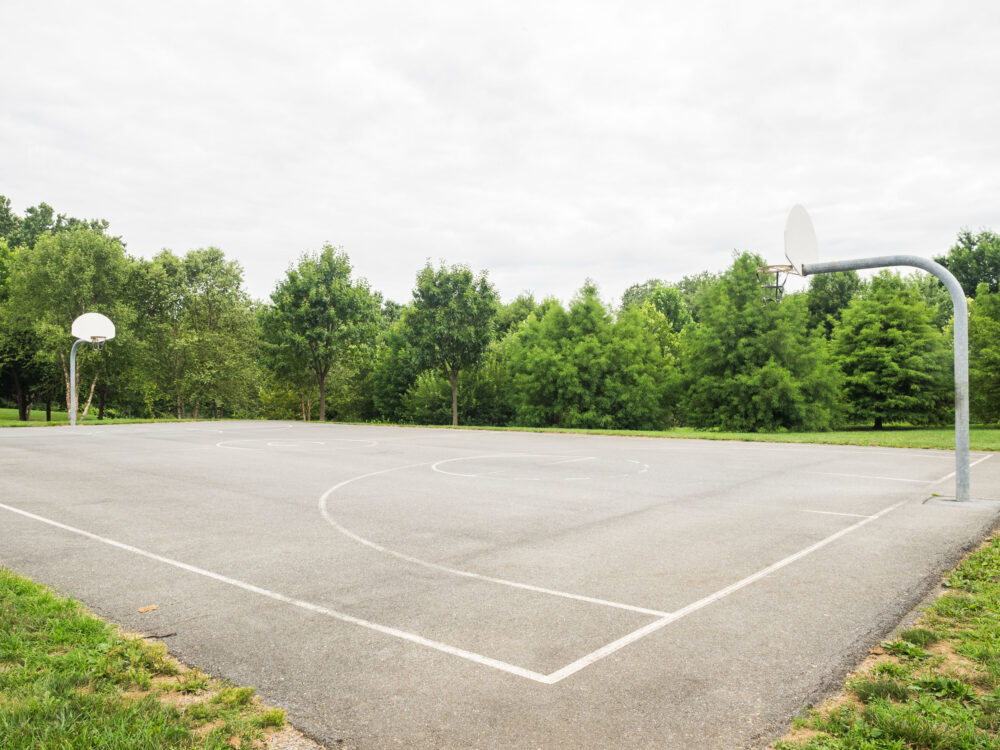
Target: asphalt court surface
x: 407, y: 587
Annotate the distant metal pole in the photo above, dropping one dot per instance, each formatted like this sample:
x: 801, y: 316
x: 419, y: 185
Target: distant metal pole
x: 72, y: 381
x: 962, y: 491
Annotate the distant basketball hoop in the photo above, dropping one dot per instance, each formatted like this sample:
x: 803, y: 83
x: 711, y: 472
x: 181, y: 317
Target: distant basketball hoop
x: 89, y: 328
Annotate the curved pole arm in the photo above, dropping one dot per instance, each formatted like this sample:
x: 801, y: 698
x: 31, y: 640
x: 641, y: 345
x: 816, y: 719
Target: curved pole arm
x: 962, y: 489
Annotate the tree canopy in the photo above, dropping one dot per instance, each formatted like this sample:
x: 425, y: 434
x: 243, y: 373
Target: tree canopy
x: 452, y: 320
x: 895, y: 360
x: 318, y: 316
x: 701, y: 351
x: 974, y: 259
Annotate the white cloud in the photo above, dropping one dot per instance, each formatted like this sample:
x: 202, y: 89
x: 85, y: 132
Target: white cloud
x: 544, y: 142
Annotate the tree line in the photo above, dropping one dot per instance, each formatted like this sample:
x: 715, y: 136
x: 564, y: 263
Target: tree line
x: 704, y: 351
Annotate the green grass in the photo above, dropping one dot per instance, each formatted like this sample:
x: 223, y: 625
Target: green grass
x: 8, y: 418
x: 982, y: 437
x: 69, y: 680
x: 937, y: 686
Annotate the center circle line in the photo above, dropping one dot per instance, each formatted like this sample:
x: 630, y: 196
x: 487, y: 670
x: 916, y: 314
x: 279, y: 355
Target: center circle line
x: 325, y: 512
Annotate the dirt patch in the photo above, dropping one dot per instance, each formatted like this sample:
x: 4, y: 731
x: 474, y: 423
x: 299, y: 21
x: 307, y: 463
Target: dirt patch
x: 290, y: 738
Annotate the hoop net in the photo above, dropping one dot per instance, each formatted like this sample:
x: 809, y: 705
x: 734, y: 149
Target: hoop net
x: 97, y: 342
x: 772, y: 281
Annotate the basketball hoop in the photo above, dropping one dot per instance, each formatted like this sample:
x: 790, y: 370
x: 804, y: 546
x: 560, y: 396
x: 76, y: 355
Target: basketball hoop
x: 801, y: 248
x: 92, y: 328
x: 772, y: 281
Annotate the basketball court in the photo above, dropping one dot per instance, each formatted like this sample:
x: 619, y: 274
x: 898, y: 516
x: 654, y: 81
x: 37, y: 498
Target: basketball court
x: 407, y: 587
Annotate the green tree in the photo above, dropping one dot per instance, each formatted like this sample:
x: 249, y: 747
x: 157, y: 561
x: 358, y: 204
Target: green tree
x: 515, y: 312
x: 581, y: 368
x: 42, y: 219
x: 828, y: 295
x: 397, y: 368
x: 667, y: 298
x: 984, y: 354
x: 638, y: 293
x: 483, y: 394
x: 975, y: 259
x: 193, y: 338
x: 669, y: 302
x: 894, y: 359
x: 9, y: 221
x: 63, y: 276
x: 24, y: 376
x: 218, y: 346
x: 749, y: 366
x: 318, y: 316
x: 935, y: 295
x: 693, y: 289
x: 391, y: 311
x: 452, y: 320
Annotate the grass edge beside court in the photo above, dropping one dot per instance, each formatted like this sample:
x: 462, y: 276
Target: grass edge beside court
x: 983, y: 437
x: 936, y: 685
x: 68, y: 678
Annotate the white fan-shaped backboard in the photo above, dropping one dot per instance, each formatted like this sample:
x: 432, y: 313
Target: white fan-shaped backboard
x: 801, y: 245
x: 93, y: 325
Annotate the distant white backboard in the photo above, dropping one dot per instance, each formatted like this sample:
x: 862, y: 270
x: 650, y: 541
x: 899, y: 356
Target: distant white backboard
x: 801, y: 246
x: 90, y: 326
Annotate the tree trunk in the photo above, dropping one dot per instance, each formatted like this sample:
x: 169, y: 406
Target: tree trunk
x: 194, y: 414
x: 454, y: 397
x: 322, y: 398
x: 309, y: 408
x: 22, y: 414
x: 69, y: 392
x: 100, y: 404
x: 878, y: 423
x: 302, y: 405
x: 90, y: 397
x: 48, y: 409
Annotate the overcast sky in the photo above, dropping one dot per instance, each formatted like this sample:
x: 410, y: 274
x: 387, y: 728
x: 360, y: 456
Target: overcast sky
x: 546, y: 142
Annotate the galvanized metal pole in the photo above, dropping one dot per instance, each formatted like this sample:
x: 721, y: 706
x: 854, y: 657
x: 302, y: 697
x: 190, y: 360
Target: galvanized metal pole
x: 72, y: 381
x: 962, y: 482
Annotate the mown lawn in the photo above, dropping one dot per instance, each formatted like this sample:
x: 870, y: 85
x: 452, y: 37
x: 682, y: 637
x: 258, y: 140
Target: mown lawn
x: 936, y: 686
x: 8, y: 418
x: 982, y: 437
x: 69, y: 680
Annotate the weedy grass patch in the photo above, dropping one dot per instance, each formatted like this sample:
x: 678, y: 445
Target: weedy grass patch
x: 935, y: 687
x: 69, y: 680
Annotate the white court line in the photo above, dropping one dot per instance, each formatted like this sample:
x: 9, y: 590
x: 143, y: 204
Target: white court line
x: 287, y: 443
x: 549, y: 679
x: 837, y: 448
x: 832, y: 513
x: 652, y: 627
x: 455, y: 571
x: 436, y: 466
x: 949, y: 476
x: 945, y: 478
x: 869, y: 476
x: 395, y: 632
